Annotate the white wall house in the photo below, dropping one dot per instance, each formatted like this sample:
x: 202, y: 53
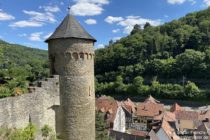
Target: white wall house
x: 162, y: 135
x: 119, y: 121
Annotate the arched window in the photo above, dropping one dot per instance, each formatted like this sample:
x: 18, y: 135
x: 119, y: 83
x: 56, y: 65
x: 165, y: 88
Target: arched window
x: 75, y: 56
x: 68, y: 55
x: 86, y: 56
x: 90, y: 56
x: 81, y: 55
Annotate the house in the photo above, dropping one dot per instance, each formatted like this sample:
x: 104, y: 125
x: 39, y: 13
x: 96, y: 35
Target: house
x: 129, y: 108
x: 165, y: 132
x: 146, y: 112
x: 176, y: 107
x: 109, y: 107
x: 186, y: 120
x: 119, y: 120
x: 168, y: 116
x: 203, y: 131
x: 205, y: 115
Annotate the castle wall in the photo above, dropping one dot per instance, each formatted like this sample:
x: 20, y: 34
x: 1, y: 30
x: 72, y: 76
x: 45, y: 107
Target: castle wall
x: 38, y: 107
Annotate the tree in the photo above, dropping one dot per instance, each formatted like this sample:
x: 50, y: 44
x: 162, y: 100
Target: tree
x: 119, y: 86
x: 147, y: 24
x: 136, y: 29
x: 190, y: 61
x: 138, y: 86
x: 101, y: 128
x: 191, y: 90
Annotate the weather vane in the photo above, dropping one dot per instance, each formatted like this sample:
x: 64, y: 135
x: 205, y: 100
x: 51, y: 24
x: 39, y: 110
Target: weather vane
x: 69, y: 9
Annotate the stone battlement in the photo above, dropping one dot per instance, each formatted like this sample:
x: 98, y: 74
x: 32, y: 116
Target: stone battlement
x: 39, y: 106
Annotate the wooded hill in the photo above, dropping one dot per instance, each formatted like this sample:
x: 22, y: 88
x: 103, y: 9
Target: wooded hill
x: 20, y: 65
x: 167, y: 61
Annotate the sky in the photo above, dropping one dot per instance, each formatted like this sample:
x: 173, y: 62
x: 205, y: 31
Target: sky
x: 31, y: 22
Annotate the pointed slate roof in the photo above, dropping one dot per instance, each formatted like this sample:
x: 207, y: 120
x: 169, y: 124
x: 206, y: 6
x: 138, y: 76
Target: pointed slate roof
x: 70, y: 28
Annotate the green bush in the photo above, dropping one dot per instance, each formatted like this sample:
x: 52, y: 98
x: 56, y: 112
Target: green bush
x: 27, y: 133
x: 4, y: 92
x: 47, y: 132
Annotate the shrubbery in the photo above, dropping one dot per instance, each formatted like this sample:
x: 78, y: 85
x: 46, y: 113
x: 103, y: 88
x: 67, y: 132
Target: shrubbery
x: 27, y: 133
x: 137, y: 87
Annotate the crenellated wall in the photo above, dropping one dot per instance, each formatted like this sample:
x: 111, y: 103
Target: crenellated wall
x: 40, y: 107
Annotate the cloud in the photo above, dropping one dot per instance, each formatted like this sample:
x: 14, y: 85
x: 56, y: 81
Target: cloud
x: 35, y: 36
x: 166, y: 16
x: 176, y: 1
x: 130, y: 21
x: 38, y: 19
x: 181, y: 1
x: 100, y: 46
x: 5, y: 16
x: 206, y: 2
x: 115, y: 30
x: 41, y: 17
x: 22, y: 35
x: 116, y: 38
x: 24, y: 23
x: 86, y: 9
x: 94, y: 1
x: 111, y: 19
x: 193, y: 2
x: 90, y: 21
x: 50, y: 8
x: 48, y: 35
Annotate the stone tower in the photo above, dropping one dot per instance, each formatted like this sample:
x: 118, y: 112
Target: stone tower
x: 71, y: 56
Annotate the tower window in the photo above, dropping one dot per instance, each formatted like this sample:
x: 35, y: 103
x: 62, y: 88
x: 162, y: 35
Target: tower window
x: 75, y: 56
x: 86, y: 55
x: 90, y: 55
x: 68, y: 55
x: 82, y: 56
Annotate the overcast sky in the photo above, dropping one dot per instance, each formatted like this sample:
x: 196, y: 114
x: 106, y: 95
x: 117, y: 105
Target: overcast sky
x: 30, y: 22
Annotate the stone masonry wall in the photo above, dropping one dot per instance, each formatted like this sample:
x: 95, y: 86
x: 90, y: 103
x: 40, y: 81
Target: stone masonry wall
x: 38, y: 107
x: 73, y: 60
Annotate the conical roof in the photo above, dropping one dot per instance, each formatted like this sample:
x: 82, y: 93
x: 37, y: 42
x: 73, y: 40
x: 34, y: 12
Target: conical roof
x: 70, y: 28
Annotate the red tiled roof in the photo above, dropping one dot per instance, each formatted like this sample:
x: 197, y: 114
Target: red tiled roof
x: 168, y: 116
x: 151, y: 99
x: 176, y: 107
x: 204, y: 115
x: 169, y: 130
x: 107, y: 105
x: 129, y: 105
x: 149, y: 109
x: 186, y: 115
x: 139, y: 133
